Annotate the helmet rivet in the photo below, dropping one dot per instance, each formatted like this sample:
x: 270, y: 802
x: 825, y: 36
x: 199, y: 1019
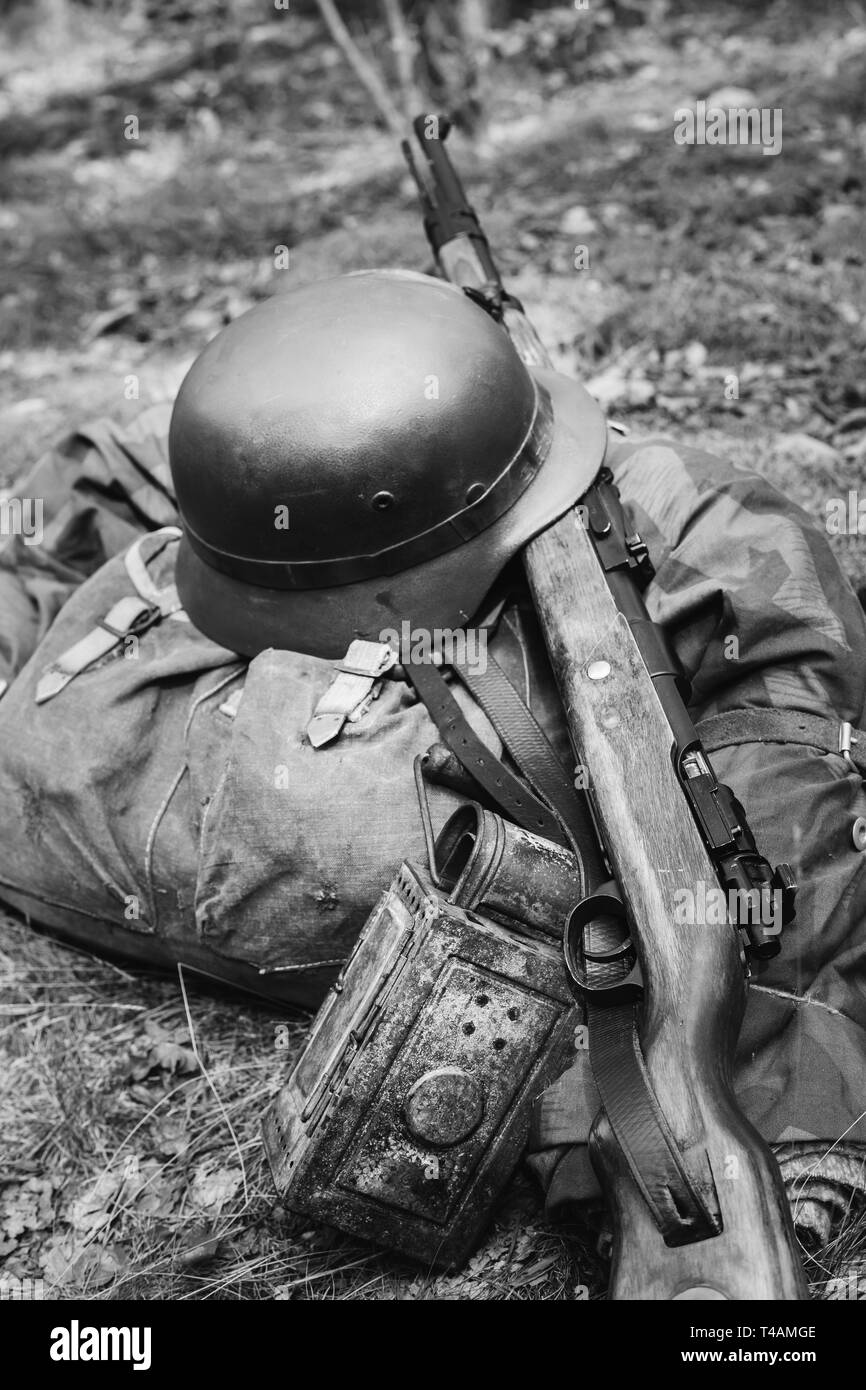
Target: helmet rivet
x: 383, y: 500
x: 474, y: 493
x: 858, y: 833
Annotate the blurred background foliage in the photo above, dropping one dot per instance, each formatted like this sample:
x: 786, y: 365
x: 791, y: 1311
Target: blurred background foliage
x: 262, y: 123
x: 266, y: 123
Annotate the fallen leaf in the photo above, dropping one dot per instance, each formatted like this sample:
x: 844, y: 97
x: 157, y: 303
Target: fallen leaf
x: 213, y: 1188
x: 171, y: 1136
x: 172, y: 1057
x: 201, y: 1245
x: 161, y: 1051
x: 76, y: 1264
x: 26, y: 1206
x: 92, y: 1210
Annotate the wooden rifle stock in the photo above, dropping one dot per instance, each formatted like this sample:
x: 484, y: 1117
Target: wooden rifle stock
x: 693, y: 975
x: 694, y: 984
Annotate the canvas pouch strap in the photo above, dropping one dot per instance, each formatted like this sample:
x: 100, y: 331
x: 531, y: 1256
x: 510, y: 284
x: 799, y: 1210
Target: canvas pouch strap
x: 127, y: 618
x: 357, y: 681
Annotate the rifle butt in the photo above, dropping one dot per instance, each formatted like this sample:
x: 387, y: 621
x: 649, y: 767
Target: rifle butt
x: 754, y: 1257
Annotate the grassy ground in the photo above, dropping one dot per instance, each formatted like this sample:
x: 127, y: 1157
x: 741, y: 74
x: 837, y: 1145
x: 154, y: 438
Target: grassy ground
x: 132, y: 1163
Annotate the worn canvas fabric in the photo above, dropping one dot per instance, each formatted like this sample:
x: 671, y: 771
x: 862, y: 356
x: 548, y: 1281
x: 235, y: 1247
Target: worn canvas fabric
x: 166, y: 803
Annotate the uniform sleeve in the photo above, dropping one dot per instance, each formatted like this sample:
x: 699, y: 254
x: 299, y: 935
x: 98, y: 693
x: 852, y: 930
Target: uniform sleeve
x: 746, y: 584
x: 84, y: 501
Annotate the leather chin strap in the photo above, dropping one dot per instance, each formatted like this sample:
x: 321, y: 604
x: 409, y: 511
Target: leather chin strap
x: 500, y: 784
x: 680, y: 1194
x: 531, y: 750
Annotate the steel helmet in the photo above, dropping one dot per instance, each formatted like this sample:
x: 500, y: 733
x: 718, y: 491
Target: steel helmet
x: 360, y: 451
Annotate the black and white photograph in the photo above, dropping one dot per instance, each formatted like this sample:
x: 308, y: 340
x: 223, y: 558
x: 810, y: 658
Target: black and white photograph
x: 433, y: 665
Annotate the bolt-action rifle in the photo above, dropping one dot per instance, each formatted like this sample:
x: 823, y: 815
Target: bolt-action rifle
x: 697, y: 1201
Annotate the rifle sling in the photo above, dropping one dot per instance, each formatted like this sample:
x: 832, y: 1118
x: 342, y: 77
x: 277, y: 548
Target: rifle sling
x: 638, y: 1124
x: 682, y: 1213
x: 533, y: 753
x: 501, y: 785
x: 736, y: 726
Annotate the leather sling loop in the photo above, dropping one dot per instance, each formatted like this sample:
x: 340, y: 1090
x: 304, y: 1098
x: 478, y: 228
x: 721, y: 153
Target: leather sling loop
x: 784, y: 726
x: 680, y: 1210
x: 638, y: 1124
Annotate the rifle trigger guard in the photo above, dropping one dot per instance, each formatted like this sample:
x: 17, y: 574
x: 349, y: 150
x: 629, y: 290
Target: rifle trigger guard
x: 600, y: 956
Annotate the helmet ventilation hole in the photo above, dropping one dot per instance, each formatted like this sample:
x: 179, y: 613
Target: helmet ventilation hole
x: 383, y: 500
x: 474, y: 493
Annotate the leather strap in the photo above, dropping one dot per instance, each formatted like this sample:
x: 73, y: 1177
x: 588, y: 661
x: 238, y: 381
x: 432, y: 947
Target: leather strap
x: 784, y: 726
x: 682, y: 1212
x: 129, y: 617
x: 533, y: 753
x: 500, y: 784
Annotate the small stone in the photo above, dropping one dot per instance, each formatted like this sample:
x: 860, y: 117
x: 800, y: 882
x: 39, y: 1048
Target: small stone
x: 727, y: 97
x: 640, y: 391
x: 650, y: 122
x: 694, y: 355
x: 838, y: 214
x: 578, y: 221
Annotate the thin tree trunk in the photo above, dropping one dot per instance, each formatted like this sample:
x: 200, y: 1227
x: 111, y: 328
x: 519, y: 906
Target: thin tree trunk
x: 473, y: 24
x: 363, y: 68
x: 405, y: 54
